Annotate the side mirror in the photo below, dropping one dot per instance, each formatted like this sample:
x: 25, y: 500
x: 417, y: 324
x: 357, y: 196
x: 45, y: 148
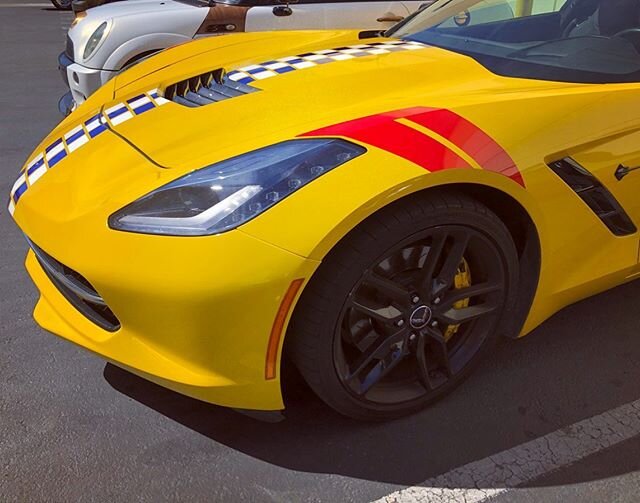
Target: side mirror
x: 282, y: 10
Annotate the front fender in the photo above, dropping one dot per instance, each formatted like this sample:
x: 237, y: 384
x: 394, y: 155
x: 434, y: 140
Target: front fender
x: 322, y: 213
x: 327, y: 209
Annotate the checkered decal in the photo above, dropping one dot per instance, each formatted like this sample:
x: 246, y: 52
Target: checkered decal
x: 268, y: 69
x: 122, y: 112
x: 79, y: 136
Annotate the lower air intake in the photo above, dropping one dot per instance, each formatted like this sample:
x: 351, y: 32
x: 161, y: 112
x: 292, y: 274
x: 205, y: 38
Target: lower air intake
x: 77, y: 290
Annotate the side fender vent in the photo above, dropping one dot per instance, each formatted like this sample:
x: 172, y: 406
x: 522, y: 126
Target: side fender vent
x: 205, y: 89
x: 595, y: 195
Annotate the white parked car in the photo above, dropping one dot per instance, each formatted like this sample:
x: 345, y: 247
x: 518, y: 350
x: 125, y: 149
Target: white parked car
x: 105, y: 39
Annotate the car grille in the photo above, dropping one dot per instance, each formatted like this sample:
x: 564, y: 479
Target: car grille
x: 205, y: 89
x: 69, y: 48
x: 77, y: 290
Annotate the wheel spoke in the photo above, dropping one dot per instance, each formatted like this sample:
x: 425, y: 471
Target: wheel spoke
x: 387, y: 353
x: 465, y: 314
x: 468, y: 293
x: 382, y: 368
x: 439, y: 348
x: 387, y: 315
x: 421, y: 358
x: 432, y: 342
x: 430, y: 263
x: 454, y: 257
x: 388, y: 288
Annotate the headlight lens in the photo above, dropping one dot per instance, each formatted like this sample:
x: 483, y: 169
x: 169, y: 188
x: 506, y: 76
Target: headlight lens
x: 94, y: 40
x: 223, y: 196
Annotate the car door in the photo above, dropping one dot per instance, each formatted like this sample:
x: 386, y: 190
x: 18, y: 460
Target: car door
x: 320, y: 14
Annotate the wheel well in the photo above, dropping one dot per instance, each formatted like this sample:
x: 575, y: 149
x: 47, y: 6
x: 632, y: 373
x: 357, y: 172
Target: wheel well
x: 525, y: 236
x: 510, y: 211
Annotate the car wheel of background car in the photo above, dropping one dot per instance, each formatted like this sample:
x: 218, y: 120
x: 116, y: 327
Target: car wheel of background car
x: 62, y: 4
x: 404, y: 307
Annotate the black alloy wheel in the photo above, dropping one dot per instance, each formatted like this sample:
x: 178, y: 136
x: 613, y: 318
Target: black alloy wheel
x: 404, y: 306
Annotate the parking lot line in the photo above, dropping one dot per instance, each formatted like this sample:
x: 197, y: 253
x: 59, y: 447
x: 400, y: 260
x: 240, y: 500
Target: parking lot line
x: 489, y: 477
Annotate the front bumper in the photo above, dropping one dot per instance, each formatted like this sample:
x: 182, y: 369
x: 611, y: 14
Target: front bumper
x: 195, y: 314
x: 82, y: 81
x: 197, y: 322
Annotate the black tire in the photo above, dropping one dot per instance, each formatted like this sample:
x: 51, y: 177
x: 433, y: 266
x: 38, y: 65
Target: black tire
x: 347, y: 305
x: 62, y: 4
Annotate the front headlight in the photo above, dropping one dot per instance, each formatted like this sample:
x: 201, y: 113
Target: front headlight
x: 223, y: 196
x: 94, y: 40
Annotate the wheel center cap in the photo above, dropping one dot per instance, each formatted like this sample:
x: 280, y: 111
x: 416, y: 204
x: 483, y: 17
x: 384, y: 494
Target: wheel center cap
x: 420, y: 317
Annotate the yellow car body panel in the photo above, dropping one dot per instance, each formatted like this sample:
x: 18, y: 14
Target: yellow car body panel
x: 197, y: 312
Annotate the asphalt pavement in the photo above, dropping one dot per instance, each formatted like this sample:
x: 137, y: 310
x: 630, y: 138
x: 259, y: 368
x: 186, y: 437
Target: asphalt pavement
x: 73, y: 428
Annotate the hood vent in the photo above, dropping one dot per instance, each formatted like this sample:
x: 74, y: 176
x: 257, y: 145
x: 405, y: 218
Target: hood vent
x: 205, y: 89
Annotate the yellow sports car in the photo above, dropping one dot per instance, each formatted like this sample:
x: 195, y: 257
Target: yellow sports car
x: 377, y: 208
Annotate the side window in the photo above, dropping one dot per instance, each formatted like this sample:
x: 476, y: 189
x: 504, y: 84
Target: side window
x: 485, y: 11
x: 490, y: 11
x: 546, y: 6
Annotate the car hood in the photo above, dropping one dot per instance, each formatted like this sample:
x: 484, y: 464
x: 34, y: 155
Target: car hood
x: 290, y: 104
x: 166, y: 139
x: 136, y: 7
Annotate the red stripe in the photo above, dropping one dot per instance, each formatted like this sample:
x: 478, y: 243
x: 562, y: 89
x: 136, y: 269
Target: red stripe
x: 468, y: 137
x: 383, y: 132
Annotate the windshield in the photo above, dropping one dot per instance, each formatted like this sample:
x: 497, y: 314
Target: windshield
x: 588, y: 41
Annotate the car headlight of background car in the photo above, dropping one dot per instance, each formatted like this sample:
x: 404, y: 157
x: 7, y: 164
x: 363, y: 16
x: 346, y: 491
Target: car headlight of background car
x: 227, y: 194
x: 94, y: 40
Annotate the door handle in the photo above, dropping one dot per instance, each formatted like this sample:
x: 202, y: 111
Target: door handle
x: 282, y: 10
x: 390, y: 18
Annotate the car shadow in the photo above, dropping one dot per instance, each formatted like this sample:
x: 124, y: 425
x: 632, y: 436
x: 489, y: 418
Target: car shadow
x: 582, y: 362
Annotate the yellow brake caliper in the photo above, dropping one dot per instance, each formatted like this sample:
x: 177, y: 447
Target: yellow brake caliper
x: 461, y: 280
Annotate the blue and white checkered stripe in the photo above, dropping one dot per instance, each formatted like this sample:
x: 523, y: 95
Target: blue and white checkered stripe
x: 55, y: 152
x: 19, y: 188
x: 76, y: 138
x: 79, y: 136
x: 287, y: 64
